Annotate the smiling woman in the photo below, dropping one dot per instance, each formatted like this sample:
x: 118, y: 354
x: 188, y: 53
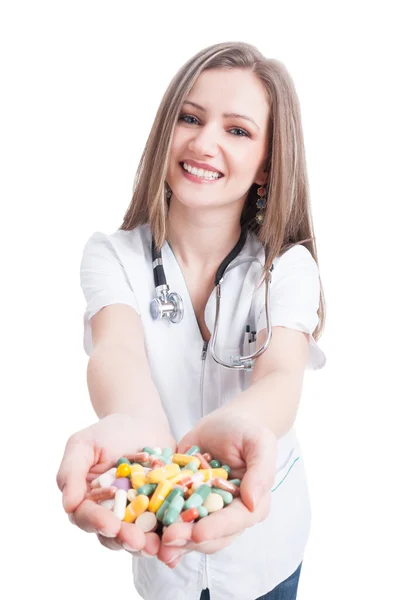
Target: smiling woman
x: 220, y: 195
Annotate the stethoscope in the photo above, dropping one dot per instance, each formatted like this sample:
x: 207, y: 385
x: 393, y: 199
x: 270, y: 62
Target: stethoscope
x: 169, y: 304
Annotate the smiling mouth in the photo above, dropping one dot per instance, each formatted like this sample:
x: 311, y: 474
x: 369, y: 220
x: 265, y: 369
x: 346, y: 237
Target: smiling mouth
x: 204, y: 174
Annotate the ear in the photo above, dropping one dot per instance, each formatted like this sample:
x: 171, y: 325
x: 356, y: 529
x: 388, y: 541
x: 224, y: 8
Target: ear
x: 261, y: 176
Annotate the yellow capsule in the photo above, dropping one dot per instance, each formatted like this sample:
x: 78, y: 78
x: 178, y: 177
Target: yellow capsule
x: 123, y: 470
x: 211, y: 473
x: 163, y: 489
x: 184, y: 459
x: 180, y: 475
x: 136, y: 507
x: 137, y: 476
x: 162, y: 473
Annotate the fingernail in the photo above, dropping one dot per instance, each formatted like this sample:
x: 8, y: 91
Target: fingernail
x: 148, y: 555
x: 174, y: 557
x: 132, y: 550
x: 107, y: 534
x: 176, y: 543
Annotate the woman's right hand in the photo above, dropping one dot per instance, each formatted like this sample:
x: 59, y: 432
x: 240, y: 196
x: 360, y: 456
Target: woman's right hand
x: 94, y: 450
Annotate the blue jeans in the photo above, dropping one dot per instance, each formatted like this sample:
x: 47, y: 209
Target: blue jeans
x: 287, y: 590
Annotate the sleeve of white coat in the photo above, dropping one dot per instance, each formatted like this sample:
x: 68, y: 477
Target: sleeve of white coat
x: 103, y: 281
x: 295, y: 297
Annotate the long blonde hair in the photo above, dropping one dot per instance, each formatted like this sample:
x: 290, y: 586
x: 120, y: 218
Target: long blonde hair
x: 287, y: 217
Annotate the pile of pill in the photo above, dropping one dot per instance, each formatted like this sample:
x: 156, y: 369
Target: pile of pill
x: 155, y: 488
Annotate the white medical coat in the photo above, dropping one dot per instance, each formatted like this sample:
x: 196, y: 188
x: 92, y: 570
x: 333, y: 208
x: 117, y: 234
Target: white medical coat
x: 117, y: 268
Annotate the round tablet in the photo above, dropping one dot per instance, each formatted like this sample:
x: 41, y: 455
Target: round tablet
x: 147, y: 521
x: 213, y: 503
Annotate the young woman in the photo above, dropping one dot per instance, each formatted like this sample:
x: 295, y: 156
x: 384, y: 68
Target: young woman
x: 221, y: 203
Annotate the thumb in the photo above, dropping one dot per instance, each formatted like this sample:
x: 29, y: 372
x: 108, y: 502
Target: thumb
x: 259, y: 453
x: 71, y: 477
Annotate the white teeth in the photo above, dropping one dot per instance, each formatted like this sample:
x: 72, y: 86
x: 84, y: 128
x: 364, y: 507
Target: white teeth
x: 204, y: 174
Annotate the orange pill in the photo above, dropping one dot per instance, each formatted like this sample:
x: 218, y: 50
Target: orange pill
x: 204, y: 464
x: 189, y: 515
x: 99, y: 494
x: 227, y: 486
x: 207, y: 456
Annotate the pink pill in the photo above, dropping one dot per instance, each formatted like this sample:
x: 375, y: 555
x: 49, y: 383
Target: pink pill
x: 122, y: 483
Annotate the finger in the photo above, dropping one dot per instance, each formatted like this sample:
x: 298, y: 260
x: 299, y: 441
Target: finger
x: 71, y: 477
x: 177, y: 533
x: 232, y: 519
x: 259, y: 453
x: 93, y: 517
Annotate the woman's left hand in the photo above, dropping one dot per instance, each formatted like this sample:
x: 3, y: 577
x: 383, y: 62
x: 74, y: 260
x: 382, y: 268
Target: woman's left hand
x: 249, y: 449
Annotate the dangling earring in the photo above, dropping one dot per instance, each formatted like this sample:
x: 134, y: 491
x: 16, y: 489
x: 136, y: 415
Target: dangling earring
x: 167, y: 191
x: 262, y: 192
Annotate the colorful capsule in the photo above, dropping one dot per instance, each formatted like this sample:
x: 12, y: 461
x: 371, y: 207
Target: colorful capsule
x: 100, y: 494
x: 147, y: 489
x: 211, y: 473
x: 190, y: 515
x: 173, y: 512
x: 163, y: 489
x: 162, y: 473
x: 136, y: 507
x: 192, y: 450
x: 228, y: 486
x: 198, y: 497
x: 120, y: 504
x: 215, y: 464
x: 184, y: 459
x: 204, y: 464
x: 106, y: 479
x: 137, y: 477
x: 181, y: 475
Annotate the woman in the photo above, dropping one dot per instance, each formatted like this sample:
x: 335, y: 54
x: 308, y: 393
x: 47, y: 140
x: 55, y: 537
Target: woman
x: 222, y: 176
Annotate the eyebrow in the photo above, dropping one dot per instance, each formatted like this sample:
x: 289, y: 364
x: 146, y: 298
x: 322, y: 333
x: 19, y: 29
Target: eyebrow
x: 235, y: 115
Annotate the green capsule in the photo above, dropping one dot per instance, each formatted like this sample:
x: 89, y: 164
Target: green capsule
x: 162, y: 510
x: 235, y: 481
x: 192, y: 466
x: 203, y: 512
x: 203, y: 490
x: 215, y: 464
x: 147, y: 489
x: 226, y: 496
x: 173, y: 510
x: 192, y: 450
x: 227, y: 468
x: 123, y: 461
x: 177, y: 491
x: 149, y: 450
x: 198, y: 497
x: 167, y: 452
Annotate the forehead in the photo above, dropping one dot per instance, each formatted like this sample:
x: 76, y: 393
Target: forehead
x: 231, y: 90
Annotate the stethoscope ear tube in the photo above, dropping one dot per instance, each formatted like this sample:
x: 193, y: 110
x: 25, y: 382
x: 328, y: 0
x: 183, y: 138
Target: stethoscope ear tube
x: 243, y: 363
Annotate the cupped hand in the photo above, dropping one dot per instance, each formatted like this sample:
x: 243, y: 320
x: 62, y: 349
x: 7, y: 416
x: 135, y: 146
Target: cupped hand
x: 94, y: 450
x: 250, y: 451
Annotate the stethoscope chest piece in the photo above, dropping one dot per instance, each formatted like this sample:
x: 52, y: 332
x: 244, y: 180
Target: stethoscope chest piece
x: 167, y: 305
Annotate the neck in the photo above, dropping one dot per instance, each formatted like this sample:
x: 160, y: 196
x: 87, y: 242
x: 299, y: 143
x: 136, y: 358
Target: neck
x: 202, y: 240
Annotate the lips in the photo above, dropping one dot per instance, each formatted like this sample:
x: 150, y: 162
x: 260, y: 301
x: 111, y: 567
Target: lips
x: 201, y: 166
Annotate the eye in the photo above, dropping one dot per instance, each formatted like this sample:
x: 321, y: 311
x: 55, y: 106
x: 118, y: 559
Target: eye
x: 184, y: 118
x: 245, y: 134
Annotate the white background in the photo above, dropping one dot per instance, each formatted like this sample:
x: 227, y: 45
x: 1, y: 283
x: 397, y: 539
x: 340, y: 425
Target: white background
x: 81, y: 82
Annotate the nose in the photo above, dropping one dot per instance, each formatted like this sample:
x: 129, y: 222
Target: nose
x: 204, y: 141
